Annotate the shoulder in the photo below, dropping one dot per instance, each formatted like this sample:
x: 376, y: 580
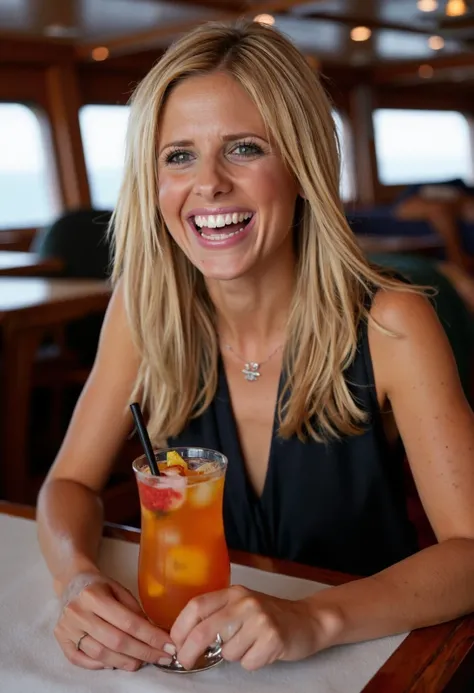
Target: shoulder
x: 406, y: 339
x: 403, y: 313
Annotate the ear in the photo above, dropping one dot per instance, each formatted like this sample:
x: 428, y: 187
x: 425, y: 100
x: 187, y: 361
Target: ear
x: 300, y: 190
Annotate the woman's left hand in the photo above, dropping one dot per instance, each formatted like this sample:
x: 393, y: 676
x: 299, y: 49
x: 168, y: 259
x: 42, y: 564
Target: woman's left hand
x: 256, y: 629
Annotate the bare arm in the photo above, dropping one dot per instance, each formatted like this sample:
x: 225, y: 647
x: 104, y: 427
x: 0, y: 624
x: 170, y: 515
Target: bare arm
x: 417, y: 373
x: 101, y: 625
x: 69, y: 507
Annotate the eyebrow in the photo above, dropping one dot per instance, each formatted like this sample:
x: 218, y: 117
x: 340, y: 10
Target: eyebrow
x: 225, y: 138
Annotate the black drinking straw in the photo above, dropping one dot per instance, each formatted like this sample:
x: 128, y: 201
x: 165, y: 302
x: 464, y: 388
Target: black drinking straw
x: 144, y: 438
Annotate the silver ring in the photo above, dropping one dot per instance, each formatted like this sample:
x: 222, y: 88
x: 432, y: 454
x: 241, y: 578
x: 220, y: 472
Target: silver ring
x: 78, y: 643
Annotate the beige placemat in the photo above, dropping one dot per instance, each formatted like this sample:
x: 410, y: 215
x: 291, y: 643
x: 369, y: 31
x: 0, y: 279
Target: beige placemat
x: 31, y: 662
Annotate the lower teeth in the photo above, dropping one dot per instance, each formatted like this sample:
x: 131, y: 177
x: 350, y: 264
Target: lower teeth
x: 220, y: 236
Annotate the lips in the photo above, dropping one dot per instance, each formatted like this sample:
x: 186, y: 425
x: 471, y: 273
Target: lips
x: 223, y: 236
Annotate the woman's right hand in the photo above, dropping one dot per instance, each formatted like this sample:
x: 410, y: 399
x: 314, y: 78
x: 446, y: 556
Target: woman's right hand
x: 114, y: 632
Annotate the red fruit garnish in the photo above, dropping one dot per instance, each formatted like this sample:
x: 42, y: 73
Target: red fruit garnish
x: 161, y: 499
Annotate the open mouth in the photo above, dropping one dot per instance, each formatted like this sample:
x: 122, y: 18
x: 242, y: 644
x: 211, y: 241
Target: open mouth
x: 220, y: 227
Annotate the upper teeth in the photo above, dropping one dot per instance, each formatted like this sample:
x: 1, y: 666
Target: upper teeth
x: 217, y: 221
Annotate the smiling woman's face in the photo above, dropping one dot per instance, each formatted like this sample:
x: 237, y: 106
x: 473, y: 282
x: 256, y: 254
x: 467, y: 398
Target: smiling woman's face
x: 224, y: 192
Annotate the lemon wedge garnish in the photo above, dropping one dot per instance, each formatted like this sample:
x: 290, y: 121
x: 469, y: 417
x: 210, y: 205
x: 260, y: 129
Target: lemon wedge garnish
x: 174, y: 459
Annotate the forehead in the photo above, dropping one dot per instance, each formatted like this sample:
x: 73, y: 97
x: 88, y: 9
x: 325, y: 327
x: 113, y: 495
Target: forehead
x: 207, y: 104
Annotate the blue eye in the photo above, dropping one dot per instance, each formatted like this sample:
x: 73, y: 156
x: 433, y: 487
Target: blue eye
x: 247, y: 149
x: 178, y: 156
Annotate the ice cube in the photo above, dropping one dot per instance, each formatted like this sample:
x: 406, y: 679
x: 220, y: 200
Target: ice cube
x: 187, y: 565
x: 201, y: 495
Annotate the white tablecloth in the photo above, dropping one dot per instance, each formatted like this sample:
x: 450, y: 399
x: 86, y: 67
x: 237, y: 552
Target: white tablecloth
x: 31, y: 662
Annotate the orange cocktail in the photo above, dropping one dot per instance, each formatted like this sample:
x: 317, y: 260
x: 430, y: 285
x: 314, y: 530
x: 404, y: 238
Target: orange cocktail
x: 183, y: 552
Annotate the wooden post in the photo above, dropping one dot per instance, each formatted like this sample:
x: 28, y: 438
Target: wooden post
x: 64, y: 103
x: 360, y: 111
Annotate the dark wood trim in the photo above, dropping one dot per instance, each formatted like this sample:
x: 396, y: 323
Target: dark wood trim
x: 23, y: 83
x: 17, y: 239
x: 374, y: 24
x: 16, y: 50
x: 390, y: 72
x: 111, y: 86
x: 142, y: 40
x: 425, y: 96
x: 426, y: 661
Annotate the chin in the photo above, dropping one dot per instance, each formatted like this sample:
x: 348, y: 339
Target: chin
x: 220, y: 271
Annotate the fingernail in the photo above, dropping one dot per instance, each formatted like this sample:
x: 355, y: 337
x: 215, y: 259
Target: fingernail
x: 165, y: 661
x: 169, y: 648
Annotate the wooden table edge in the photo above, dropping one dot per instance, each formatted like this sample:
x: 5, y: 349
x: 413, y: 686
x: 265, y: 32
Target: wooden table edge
x: 38, y: 267
x: 414, y: 667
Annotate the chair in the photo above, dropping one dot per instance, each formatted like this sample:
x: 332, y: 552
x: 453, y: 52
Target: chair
x: 79, y: 239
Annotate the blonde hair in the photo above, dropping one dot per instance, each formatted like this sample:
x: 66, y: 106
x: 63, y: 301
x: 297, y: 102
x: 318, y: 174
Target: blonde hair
x: 171, y: 316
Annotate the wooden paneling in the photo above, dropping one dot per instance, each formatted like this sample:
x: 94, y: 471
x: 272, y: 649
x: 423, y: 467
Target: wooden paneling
x: 425, y: 97
x: 107, y: 86
x: 18, y: 50
x: 23, y: 83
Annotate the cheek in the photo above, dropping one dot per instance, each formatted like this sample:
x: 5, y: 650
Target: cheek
x: 170, y: 198
x: 275, y: 185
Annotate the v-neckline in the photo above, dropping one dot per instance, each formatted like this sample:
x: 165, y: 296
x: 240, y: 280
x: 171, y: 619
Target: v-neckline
x: 252, y: 494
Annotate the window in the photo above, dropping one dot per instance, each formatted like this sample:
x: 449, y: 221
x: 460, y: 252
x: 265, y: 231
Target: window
x: 422, y: 146
x: 103, y: 130
x: 347, y: 179
x: 26, y: 198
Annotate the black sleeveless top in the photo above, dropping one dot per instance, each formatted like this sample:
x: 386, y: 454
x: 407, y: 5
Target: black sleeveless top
x: 337, y: 505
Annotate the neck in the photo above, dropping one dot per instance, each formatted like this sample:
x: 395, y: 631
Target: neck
x: 252, y: 311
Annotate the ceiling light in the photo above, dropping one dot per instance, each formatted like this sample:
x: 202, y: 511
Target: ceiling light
x: 360, y: 33
x: 456, y: 8
x: 425, y: 71
x: 264, y: 19
x: 427, y: 5
x: 436, y: 42
x: 100, y: 53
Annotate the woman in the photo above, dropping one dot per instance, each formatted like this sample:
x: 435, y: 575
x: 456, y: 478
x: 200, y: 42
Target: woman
x: 245, y: 318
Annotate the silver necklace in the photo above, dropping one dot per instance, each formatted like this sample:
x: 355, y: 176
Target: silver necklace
x: 252, y: 368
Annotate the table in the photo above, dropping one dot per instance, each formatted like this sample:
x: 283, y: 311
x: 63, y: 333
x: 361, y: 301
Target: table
x: 29, y: 307
x: 439, y: 659
x: 425, y: 245
x: 17, y: 264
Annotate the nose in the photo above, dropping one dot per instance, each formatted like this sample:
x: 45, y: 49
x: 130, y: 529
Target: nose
x: 211, y: 180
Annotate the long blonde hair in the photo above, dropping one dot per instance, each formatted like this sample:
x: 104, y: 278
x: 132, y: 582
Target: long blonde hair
x: 171, y: 316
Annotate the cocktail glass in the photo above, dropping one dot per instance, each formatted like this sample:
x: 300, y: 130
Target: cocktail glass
x: 183, y: 552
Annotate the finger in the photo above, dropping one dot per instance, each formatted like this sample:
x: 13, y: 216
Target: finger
x: 118, y: 641
x: 204, y: 635
x: 195, y: 611
x: 239, y: 644
x: 266, y: 649
x: 79, y: 658
x: 98, y: 652
x: 125, y: 597
x: 113, y: 612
